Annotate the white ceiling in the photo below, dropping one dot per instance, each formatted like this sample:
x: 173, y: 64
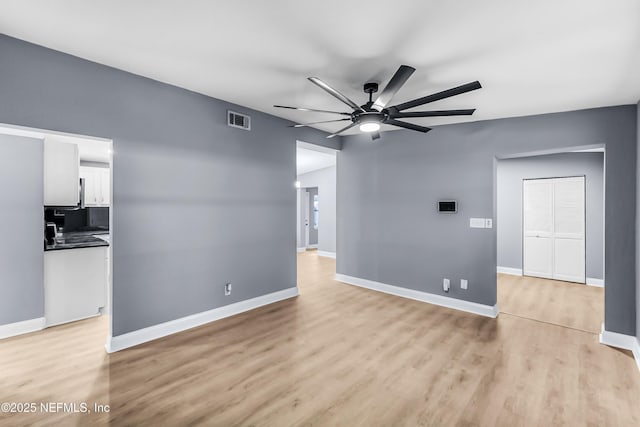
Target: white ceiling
x: 311, y: 160
x: 531, y: 57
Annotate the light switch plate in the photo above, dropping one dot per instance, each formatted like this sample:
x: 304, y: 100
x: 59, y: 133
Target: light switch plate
x: 488, y: 223
x: 476, y: 222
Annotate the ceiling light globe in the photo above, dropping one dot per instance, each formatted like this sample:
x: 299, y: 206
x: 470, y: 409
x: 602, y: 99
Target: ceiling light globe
x: 370, y: 127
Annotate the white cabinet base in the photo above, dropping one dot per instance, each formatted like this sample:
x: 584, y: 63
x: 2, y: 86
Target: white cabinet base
x: 75, y: 283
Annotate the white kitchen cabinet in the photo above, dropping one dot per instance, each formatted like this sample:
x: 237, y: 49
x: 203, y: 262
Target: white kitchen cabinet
x: 75, y: 284
x: 105, y: 186
x: 61, y: 172
x: 97, y: 185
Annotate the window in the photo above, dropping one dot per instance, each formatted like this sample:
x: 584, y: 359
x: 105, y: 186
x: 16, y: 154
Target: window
x: 315, y: 211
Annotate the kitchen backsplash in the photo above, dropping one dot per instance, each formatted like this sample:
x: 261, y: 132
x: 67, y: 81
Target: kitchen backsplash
x: 87, y: 219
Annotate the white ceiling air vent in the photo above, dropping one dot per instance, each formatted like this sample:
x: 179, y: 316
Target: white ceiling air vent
x: 238, y: 120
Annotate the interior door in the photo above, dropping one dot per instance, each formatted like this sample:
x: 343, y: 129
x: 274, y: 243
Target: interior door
x: 554, y: 228
x: 568, y: 225
x: 306, y: 218
x: 312, y: 208
x: 538, y: 228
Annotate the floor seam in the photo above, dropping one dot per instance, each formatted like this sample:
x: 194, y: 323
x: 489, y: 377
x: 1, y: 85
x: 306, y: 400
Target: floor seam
x: 550, y: 323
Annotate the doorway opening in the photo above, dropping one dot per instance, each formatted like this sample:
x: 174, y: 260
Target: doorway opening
x: 315, y: 210
x: 550, y: 238
x: 64, y: 202
x: 311, y: 214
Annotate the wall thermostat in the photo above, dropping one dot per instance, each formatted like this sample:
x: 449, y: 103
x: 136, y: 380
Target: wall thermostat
x: 447, y: 206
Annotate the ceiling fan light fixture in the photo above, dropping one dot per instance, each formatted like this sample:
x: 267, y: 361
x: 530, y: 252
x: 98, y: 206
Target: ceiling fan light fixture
x: 370, y: 127
x: 371, y: 115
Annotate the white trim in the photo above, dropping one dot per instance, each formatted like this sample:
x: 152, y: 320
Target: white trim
x: 19, y: 328
x: 441, y: 300
x: 509, y: 270
x: 314, y: 246
x: 595, y: 282
x: 151, y: 333
x: 301, y: 250
x: 15, y: 131
x: 518, y: 272
x: 39, y: 133
x: 327, y: 254
x: 77, y: 319
x: 615, y: 339
x: 626, y: 342
x: 314, y: 147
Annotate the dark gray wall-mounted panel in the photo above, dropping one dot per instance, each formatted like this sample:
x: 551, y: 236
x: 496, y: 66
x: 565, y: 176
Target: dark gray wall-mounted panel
x: 389, y: 231
x: 185, y: 184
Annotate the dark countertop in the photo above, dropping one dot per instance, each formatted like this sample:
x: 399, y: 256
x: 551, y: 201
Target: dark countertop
x: 76, y: 241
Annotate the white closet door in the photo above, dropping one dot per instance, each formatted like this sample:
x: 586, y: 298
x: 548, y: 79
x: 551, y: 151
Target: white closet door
x: 554, y: 228
x: 568, y: 222
x: 538, y: 228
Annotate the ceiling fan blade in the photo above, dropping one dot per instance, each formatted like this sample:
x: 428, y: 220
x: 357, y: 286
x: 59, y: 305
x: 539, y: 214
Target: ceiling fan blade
x: 335, y: 93
x: 312, y: 110
x: 437, y: 96
x: 342, y: 130
x: 441, y: 113
x: 407, y: 125
x: 397, y: 81
x: 375, y: 135
x: 316, y: 123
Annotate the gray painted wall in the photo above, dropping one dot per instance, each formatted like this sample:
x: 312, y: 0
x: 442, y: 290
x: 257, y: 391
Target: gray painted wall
x: 638, y: 227
x: 22, y: 219
x: 325, y: 180
x: 313, y: 232
x: 389, y: 231
x: 511, y: 172
x: 185, y: 184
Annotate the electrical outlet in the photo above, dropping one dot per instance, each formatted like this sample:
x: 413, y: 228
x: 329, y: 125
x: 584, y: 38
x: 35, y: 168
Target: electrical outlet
x: 446, y: 284
x: 227, y: 289
x: 464, y: 284
x: 488, y: 223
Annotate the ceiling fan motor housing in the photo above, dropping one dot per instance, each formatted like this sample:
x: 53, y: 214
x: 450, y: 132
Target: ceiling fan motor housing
x: 370, y: 87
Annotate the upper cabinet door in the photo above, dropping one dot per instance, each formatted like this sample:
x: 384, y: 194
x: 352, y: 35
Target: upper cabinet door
x: 91, y: 185
x: 96, y: 185
x: 61, y: 173
x: 105, y: 186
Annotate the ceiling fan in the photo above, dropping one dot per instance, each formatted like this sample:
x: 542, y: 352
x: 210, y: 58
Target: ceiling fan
x: 374, y: 113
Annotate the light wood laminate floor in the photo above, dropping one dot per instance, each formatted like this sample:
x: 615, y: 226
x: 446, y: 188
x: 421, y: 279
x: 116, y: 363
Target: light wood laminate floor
x: 567, y: 304
x: 337, y: 355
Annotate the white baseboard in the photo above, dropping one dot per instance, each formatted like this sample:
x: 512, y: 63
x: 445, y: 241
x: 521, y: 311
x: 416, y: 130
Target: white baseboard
x: 595, y: 282
x: 518, y: 272
x: 626, y: 342
x: 301, y: 250
x: 327, y: 254
x: 19, y: 328
x: 509, y: 270
x: 151, y: 333
x: 315, y: 246
x: 454, y: 303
